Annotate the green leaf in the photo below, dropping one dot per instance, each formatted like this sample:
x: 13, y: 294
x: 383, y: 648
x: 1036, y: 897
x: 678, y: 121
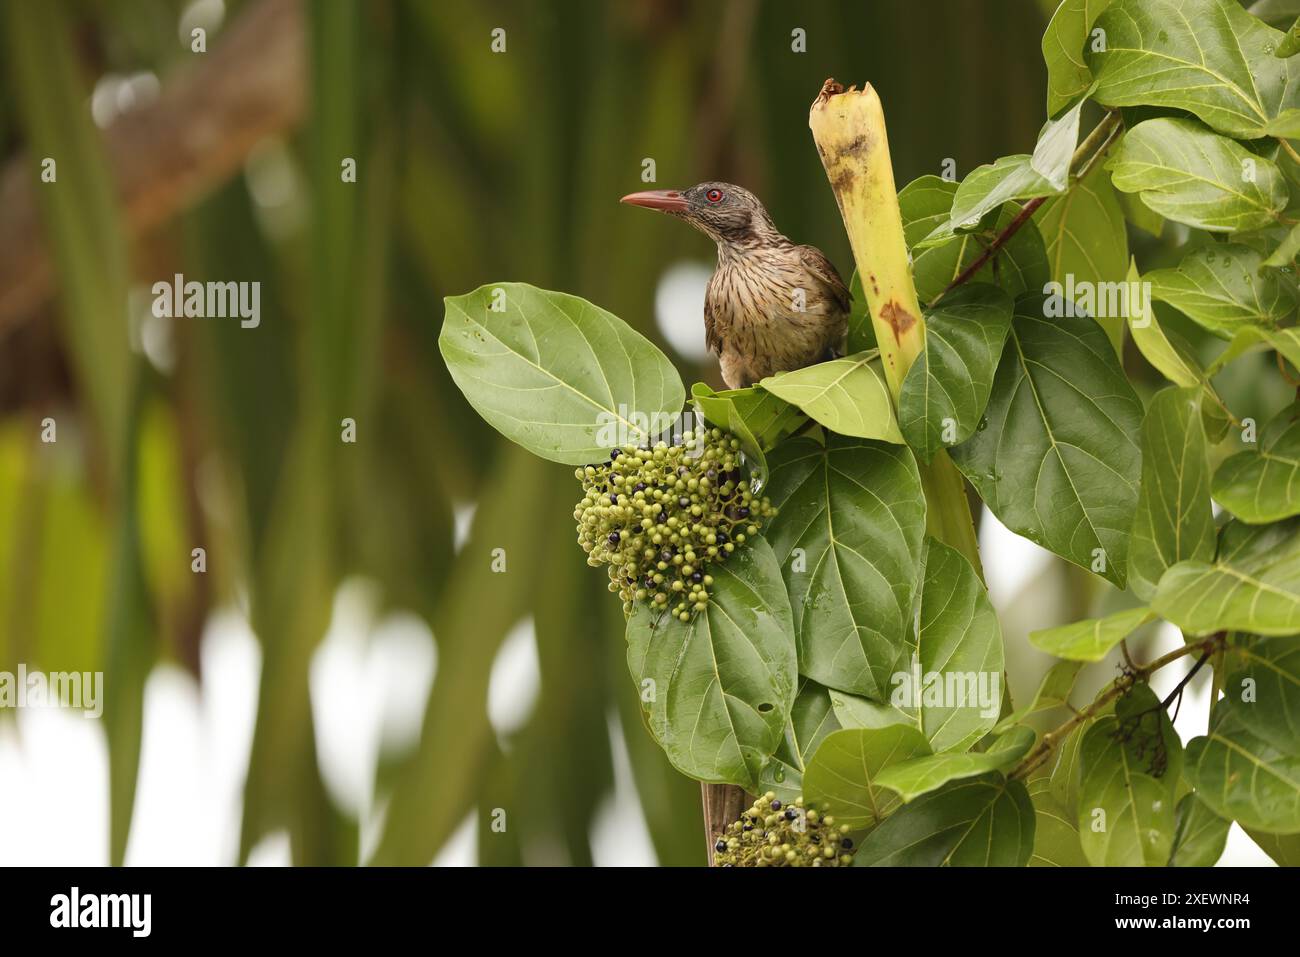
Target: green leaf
x: 987, y: 187
x: 722, y: 684
x: 811, y: 720
x: 1175, y: 364
x: 1068, y: 75
x: 1199, y: 834
x: 959, y: 652
x: 855, y: 711
x: 1222, y: 287
x: 758, y: 419
x: 1253, y: 585
x: 1266, y: 692
x: 1140, y: 215
x: 1284, y: 849
x: 946, y: 389
x: 1287, y: 251
x: 1174, y: 520
x: 563, y: 378
x: 1209, y: 57
x: 1054, y: 151
x: 1263, y: 485
x: 1090, y: 640
x: 1242, y: 777
x: 841, y: 777
x: 1129, y: 767
x: 765, y: 417
x: 1192, y: 175
x: 912, y: 778
x: 848, y: 396
x: 1291, y: 45
x: 1058, y: 462
x: 1056, y: 833
x: 979, y: 822
x: 1084, y: 232
x: 1053, y: 692
x: 848, y: 536
x: 1020, y: 266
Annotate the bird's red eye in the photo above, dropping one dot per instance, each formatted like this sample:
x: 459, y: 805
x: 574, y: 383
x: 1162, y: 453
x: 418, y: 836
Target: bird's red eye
x: 714, y: 196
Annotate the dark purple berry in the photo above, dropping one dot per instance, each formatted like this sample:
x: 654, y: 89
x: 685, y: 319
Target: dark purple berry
x: 846, y: 844
x: 776, y: 805
x: 697, y: 577
x: 613, y: 538
x: 721, y: 845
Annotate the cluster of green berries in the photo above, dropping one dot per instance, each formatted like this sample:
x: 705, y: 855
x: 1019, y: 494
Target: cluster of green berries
x: 659, y: 517
x: 772, y: 834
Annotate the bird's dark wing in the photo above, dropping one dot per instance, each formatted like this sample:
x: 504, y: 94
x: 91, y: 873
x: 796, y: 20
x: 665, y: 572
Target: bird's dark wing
x: 712, y: 340
x: 815, y: 261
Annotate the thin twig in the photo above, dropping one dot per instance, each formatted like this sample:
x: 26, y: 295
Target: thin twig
x: 1290, y: 150
x: 1085, y: 157
x: 1120, y: 686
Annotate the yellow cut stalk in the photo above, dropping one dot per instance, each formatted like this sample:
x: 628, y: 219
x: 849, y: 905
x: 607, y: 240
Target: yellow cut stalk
x: 849, y: 129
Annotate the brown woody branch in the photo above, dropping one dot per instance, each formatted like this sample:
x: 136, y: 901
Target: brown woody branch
x: 167, y: 155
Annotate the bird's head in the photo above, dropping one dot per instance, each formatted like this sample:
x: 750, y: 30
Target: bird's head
x: 722, y: 211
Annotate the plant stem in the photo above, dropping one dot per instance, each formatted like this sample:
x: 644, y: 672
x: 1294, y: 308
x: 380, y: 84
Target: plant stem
x: 1085, y: 158
x: 1290, y: 150
x: 1121, y: 685
x: 849, y: 129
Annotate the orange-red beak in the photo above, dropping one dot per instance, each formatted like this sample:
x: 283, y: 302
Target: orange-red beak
x: 664, y: 200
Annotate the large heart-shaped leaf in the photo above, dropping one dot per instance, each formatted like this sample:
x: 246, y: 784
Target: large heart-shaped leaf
x: 1263, y: 485
x: 1193, y: 175
x: 946, y: 389
x: 1243, y: 777
x: 841, y: 777
x: 1222, y: 288
x: 719, y: 688
x: 811, y: 720
x: 1208, y: 57
x: 848, y: 536
x: 1265, y: 693
x: 563, y: 378
x: 1059, y: 462
x: 1129, y: 767
x: 1253, y: 585
x: 1174, y: 521
x: 921, y: 775
x: 958, y: 670
x: 848, y: 396
x: 1084, y: 232
x: 1020, y: 266
x: 978, y: 822
x: 1199, y: 834
x: 1092, y: 639
x: 1068, y: 75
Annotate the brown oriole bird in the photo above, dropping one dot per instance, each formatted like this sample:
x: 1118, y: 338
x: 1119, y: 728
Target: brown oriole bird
x: 770, y: 306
